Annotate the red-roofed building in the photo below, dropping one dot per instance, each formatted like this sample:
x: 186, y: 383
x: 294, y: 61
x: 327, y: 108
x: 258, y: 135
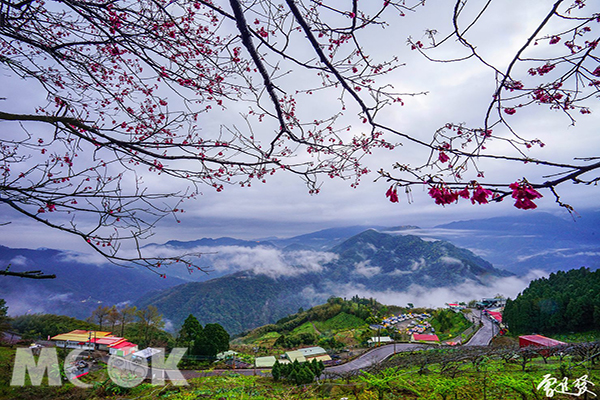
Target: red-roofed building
x: 497, y: 316
x: 538, y: 341
x: 104, y: 342
x: 122, y: 349
x: 423, y: 337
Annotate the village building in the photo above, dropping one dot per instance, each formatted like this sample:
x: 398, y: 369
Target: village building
x: 122, y: 349
x: 295, y: 355
x: 538, y: 341
x: 490, y: 302
x: 424, y: 338
x: 315, y: 353
x: 265, y: 362
x: 379, y: 340
x: 94, y: 340
x: 306, y: 354
x: 78, y: 339
x: 145, y: 354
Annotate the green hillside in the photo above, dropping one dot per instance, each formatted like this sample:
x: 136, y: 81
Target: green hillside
x: 337, y: 323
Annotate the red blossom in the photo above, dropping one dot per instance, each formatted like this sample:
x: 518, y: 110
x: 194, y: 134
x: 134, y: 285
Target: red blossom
x: 443, y: 157
x: 480, y: 195
x: 554, y: 39
x: 514, y: 85
x: 524, y: 193
x: 464, y: 193
x: 417, y: 45
x: 443, y: 195
x: 510, y: 111
x: 392, y: 194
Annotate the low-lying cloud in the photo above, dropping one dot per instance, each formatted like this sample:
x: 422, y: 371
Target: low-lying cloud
x: 364, y: 268
x: 264, y: 260
x: 269, y: 261
x: 422, y: 296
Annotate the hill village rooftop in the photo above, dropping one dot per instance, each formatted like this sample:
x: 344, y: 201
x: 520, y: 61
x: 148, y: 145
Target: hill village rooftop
x: 95, y: 340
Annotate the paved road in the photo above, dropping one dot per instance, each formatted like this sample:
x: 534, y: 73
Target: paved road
x: 484, y: 335
x: 372, y: 357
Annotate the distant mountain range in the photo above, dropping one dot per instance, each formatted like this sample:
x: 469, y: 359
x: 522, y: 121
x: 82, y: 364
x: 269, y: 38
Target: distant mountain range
x: 79, y: 287
x: 536, y: 241
x: 374, y: 260
x: 254, y: 282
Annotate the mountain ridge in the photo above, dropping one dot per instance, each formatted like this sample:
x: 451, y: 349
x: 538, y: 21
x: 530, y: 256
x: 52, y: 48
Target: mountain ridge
x: 370, y: 259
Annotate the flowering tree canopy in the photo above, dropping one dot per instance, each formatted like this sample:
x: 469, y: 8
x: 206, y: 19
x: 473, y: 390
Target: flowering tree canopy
x: 222, y: 92
x: 558, y: 71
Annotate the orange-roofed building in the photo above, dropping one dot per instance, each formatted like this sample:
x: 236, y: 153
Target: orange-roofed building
x: 78, y: 339
x: 94, y: 340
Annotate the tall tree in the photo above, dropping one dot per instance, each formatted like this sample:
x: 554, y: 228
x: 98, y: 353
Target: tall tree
x: 100, y: 314
x: 149, y: 320
x: 127, y: 316
x: 213, y: 339
x: 189, y: 332
x: 125, y: 92
x: 113, y: 317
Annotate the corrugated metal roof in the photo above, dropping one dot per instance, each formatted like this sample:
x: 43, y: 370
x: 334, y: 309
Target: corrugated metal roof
x: 295, y: 355
x: 146, y: 353
x: 312, y: 351
x: 324, y: 357
x: 380, y: 339
x: 265, y: 362
x: 122, y: 345
x: 80, y: 335
x: 108, y: 340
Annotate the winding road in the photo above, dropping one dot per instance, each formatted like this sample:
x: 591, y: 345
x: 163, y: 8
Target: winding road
x: 482, y: 337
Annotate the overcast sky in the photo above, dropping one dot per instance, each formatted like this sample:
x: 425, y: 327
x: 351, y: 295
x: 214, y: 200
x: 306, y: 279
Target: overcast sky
x: 457, y: 93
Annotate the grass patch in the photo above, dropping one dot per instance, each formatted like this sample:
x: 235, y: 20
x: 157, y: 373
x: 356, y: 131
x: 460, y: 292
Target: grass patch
x: 580, y: 337
x: 306, y: 327
x: 449, y: 324
x: 341, y: 322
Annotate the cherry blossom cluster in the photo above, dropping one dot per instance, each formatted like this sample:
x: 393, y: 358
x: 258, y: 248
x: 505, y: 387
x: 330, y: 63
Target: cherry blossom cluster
x: 524, y: 194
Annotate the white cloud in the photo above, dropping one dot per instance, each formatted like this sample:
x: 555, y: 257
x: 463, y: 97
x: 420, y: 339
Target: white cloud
x: 557, y: 252
x: 417, y: 264
x: 19, y: 260
x: 422, y: 296
x: 365, y: 269
x: 60, y: 297
x: 260, y: 259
